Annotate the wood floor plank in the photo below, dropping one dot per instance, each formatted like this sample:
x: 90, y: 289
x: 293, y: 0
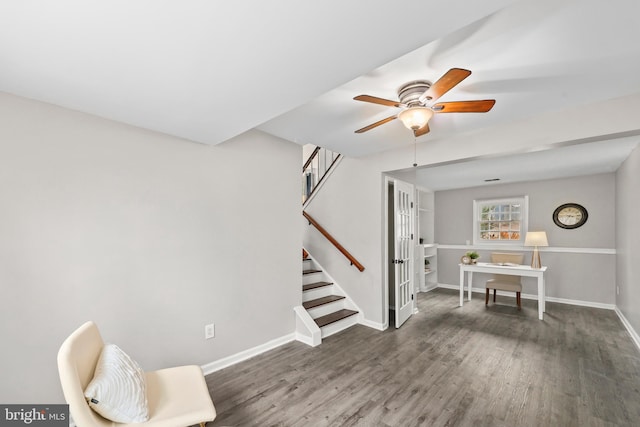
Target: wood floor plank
x: 446, y: 366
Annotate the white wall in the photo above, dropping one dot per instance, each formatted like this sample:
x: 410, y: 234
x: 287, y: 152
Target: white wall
x: 628, y: 238
x: 150, y: 236
x: 576, y: 273
x: 454, y: 209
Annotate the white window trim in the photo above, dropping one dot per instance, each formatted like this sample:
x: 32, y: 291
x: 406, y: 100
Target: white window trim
x: 524, y: 220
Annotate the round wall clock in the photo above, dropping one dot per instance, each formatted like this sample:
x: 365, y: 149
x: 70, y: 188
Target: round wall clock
x: 570, y: 215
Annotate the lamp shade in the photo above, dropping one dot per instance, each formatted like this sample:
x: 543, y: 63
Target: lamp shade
x: 536, y: 238
x: 415, y: 118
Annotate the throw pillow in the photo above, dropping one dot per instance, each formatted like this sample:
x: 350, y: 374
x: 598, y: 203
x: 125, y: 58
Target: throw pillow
x: 118, y: 390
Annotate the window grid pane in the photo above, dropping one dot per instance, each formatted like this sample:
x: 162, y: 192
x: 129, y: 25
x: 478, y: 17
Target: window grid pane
x: 500, y: 222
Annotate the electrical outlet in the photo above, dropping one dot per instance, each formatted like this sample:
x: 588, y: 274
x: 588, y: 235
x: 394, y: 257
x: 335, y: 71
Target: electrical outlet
x: 209, y: 331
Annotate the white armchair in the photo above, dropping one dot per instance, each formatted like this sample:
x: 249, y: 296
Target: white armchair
x: 176, y: 396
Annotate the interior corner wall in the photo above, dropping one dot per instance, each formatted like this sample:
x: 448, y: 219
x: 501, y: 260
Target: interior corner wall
x: 150, y: 236
x: 582, y: 261
x: 628, y: 238
x: 348, y: 206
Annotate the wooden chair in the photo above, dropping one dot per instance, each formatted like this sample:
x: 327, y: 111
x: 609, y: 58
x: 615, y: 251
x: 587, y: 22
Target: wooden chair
x: 176, y: 396
x: 505, y: 282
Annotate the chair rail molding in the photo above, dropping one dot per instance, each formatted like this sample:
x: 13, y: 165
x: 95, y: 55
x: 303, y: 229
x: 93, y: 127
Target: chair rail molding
x: 556, y: 249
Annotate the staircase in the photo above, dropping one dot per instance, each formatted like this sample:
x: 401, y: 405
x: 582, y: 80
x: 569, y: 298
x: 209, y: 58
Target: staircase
x: 324, y: 301
x: 326, y: 309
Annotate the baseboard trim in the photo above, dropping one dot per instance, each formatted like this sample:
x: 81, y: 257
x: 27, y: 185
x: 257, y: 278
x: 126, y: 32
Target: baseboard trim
x: 535, y: 297
x: 372, y: 324
x: 429, y: 288
x: 212, y: 367
x: 579, y: 302
x: 304, y: 339
x: 634, y: 335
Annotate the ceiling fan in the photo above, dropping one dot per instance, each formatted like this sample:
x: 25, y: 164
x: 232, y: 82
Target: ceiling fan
x: 417, y: 99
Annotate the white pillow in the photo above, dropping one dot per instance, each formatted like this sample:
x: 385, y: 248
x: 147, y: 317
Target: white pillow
x: 118, y: 390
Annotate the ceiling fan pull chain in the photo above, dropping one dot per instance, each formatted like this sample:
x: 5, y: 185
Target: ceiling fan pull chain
x: 415, y: 144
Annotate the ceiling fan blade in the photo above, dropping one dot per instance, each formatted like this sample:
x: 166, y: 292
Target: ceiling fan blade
x: 450, y: 79
x: 376, y: 100
x: 479, y: 106
x: 422, y: 131
x: 376, y: 124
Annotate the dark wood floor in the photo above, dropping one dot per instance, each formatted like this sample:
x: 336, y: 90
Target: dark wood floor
x: 447, y: 366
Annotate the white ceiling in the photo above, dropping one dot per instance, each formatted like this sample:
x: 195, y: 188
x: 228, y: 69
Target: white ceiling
x: 206, y: 71
x: 532, y: 57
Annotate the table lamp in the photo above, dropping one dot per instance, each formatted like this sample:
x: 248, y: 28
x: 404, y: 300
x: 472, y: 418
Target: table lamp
x: 535, y: 239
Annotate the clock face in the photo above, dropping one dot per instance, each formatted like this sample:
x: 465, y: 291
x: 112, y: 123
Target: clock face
x: 465, y: 259
x: 570, y: 215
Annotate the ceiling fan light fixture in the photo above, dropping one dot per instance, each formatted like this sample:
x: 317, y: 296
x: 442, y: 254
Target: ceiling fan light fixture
x: 415, y: 118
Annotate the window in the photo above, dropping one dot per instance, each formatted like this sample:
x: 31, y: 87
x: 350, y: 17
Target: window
x: 500, y: 221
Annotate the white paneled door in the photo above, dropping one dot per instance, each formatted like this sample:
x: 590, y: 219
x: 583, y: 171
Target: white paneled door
x: 403, y: 250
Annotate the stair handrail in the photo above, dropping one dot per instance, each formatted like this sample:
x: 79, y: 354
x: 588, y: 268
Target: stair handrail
x: 313, y: 154
x: 335, y: 243
x: 316, y: 176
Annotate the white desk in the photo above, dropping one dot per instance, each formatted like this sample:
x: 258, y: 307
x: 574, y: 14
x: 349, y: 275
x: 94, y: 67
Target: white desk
x: 518, y: 270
